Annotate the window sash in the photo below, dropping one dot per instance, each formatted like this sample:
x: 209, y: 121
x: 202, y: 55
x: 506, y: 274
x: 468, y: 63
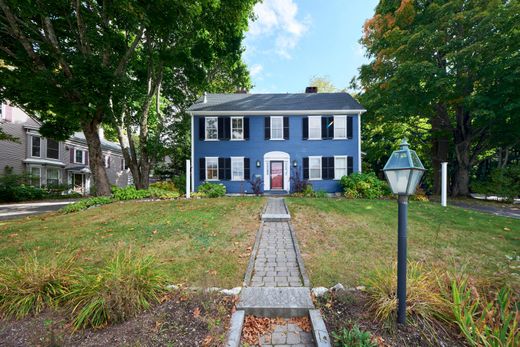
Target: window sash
x: 237, y: 128
x: 315, y: 168
x: 36, y: 176
x: 315, y: 128
x: 53, y: 149
x: 340, y: 127
x: 212, y: 169
x: 340, y: 167
x: 53, y: 176
x: 237, y: 169
x: 81, y: 157
x: 35, y: 146
x: 211, y: 128
x: 276, y: 128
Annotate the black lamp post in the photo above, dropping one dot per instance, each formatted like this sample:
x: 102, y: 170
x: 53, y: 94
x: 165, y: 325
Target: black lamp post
x: 403, y: 172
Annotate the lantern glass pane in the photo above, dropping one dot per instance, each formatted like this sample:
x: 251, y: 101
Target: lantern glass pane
x: 415, y: 177
x: 398, y: 180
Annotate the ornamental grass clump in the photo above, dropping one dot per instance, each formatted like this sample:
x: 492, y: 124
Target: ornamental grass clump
x: 126, y: 285
x: 33, y: 284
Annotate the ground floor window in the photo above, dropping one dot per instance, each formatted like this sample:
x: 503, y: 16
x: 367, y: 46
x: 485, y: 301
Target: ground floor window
x: 35, y: 175
x: 53, y: 176
x: 340, y: 167
x: 315, y: 168
x: 237, y: 169
x: 211, y: 169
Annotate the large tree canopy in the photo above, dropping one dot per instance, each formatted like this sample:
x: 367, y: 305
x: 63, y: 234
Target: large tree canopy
x: 450, y: 67
x: 73, y: 65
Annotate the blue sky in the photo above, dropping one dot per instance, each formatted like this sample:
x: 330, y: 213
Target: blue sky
x: 293, y: 40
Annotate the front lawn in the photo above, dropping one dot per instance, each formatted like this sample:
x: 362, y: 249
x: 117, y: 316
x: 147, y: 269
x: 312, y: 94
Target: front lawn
x: 342, y: 240
x: 202, y: 242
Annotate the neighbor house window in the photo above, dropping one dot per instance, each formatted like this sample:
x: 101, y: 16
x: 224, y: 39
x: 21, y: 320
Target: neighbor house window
x: 237, y: 128
x: 237, y: 169
x: 315, y: 128
x: 107, y: 161
x: 276, y: 128
x: 340, y: 127
x: 53, y: 176
x: 36, y: 174
x: 53, y: 149
x: 211, y: 128
x: 315, y: 168
x: 211, y: 169
x: 79, y: 156
x: 340, y: 167
x: 35, y: 146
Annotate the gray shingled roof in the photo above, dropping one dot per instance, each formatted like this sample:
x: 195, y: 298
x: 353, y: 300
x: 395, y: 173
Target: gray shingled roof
x: 105, y: 144
x: 276, y: 102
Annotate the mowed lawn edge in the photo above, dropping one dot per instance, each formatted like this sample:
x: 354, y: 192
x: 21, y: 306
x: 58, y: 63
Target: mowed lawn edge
x: 201, y: 242
x: 342, y: 240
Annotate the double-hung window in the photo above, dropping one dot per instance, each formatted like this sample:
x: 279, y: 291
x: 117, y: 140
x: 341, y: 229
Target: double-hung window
x: 340, y: 127
x: 237, y: 169
x: 36, y: 174
x: 237, y: 128
x: 53, y: 176
x: 53, y: 149
x: 211, y: 168
x: 211, y: 128
x: 276, y: 128
x: 79, y: 156
x: 314, y: 128
x: 35, y: 146
x: 340, y: 167
x: 315, y: 168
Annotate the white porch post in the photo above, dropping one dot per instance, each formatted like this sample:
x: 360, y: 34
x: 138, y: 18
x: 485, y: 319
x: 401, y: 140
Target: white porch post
x: 188, y: 178
x: 444, y: 183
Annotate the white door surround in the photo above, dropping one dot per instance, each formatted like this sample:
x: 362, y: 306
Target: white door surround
x: 277, y: 156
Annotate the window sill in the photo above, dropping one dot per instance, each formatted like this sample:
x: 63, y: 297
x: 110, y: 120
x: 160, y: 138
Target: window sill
x: 210, y: 140
x: 340, y: 138
x: 242, y: 180
x: 316, y: 139
x: 315, y: 179
x: 237, y: 139
x: 276, y: 140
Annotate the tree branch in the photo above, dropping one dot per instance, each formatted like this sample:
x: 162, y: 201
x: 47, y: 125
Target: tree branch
x: 128, y: 53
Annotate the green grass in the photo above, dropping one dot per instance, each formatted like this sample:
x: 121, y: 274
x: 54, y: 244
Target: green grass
x: 342, y: 240
x: 197, y: 242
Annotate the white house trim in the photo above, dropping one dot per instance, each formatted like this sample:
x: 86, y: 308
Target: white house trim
x: 192, y: 155
x: 277, y: 156
x: 359, y: 141
x: 276, y: 113
x: 43, y: 162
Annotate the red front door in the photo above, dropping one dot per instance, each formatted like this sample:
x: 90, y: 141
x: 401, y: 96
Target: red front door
x: 277, y: 175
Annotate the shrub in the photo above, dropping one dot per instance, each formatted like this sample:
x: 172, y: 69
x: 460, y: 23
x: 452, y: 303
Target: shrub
x: 299, y: 185
x: 30, y: 286
x: 165, y: 185
x: 126, y: 285
x: 424, y: 297
x: 129, y: 193
x: 256, y: 185
x: 364, y: 185
x: 502, y: 182
x: 15, y: 188
x: 180, y: 183
x: 353, y: 337
x: 86, y: 203
x: 485, y: 322
x: 163, y: 194
x: 212, y: 190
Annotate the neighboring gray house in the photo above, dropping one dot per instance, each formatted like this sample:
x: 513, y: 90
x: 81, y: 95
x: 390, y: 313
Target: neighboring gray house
x: 53, y: 162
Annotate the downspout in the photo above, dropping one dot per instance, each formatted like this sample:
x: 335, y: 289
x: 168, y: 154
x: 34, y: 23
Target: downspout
x: 192, y: 153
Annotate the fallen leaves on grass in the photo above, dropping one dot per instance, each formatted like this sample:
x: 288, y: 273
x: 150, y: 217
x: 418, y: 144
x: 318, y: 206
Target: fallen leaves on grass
x: 196, y: 312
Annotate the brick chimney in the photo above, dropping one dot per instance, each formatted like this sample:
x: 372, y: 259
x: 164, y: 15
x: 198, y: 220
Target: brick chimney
x: 311, y: 90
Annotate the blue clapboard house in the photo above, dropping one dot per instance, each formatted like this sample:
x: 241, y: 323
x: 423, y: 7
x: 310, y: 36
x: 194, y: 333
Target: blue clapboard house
x: 237, y: 138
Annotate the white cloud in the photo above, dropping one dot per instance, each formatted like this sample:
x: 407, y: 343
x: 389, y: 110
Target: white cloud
x: 278, y: 19
x: 255, y: 70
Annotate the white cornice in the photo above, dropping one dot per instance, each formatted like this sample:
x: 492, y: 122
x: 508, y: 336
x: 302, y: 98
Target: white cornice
x: 275, y: 113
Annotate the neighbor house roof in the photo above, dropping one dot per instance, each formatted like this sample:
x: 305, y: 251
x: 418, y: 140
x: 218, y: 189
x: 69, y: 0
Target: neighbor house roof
x: 308, y: 103
x: 105, y: 144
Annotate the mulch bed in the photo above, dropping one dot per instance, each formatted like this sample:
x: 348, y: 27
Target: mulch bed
x: 183, y: 319
x: 344, y: 309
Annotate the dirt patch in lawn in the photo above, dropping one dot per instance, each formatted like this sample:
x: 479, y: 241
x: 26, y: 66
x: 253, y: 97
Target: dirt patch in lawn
x: 183, y: 319
x: 343, y: 310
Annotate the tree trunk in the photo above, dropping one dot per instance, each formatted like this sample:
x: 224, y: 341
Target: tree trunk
x: 462, y: 136
x: 440, y: 144
x: 96, y: 162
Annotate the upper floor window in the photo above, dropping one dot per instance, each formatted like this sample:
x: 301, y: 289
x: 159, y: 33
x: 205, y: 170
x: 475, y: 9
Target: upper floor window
x: 79, y: 156
x: 315, y: 127
x: 237, y: 128
x: 340, y: 167
x: 276, y: 128
x: 315, y: 168
x: 211, y: 169
x: 53, y: 149
x: 35, y: 146
x: 53, y: 176
x: 237, y: 169
x: 211, y: 128
x: 340, y: 127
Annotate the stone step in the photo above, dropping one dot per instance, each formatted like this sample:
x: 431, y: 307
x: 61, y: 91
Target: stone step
x: 283, y: 302
x: 272, y: 217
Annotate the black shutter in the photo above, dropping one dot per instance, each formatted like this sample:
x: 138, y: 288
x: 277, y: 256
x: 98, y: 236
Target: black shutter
x: 330, y: 129
x: 246, y: 128
x: 227, y: 170
x: 267, y: 131
x: 286, y: 128
x: 331, y: 168
x: 221, y: 168
x: 324, y: 128
x: 202, y: 169
x: 202, y: 128
x: 247, y: 171
x: 227, y: 128
x: 305, y: 128
x: 324, y: 168
x: 350, y: 165
x: 349, y: 127
x: 305, y: 168
x: 220, y: 127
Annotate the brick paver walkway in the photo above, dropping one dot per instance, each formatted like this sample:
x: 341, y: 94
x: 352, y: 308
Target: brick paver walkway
x: 287, y: 334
